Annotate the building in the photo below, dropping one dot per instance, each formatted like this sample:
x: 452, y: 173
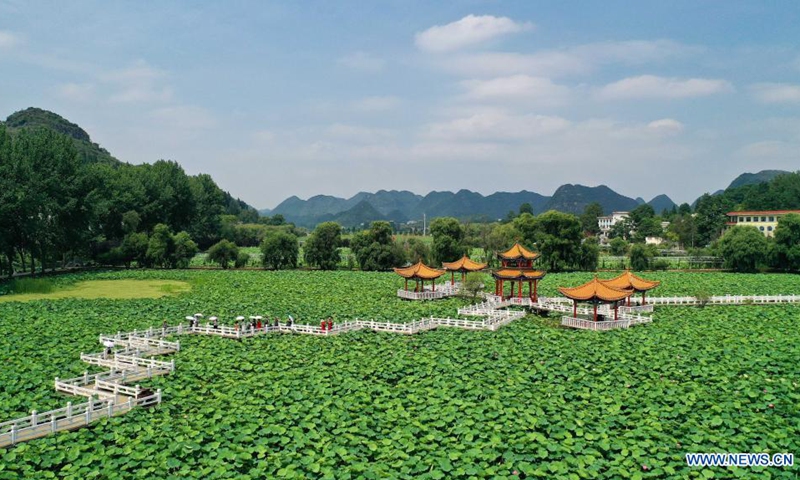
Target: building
x: 764, y: 220
x: 606, y: 222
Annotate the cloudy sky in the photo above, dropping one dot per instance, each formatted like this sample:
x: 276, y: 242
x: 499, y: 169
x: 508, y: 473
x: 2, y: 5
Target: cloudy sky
x: 303, y: 98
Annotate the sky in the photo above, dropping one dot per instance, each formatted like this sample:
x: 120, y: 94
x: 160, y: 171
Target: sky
x: 275, y: 99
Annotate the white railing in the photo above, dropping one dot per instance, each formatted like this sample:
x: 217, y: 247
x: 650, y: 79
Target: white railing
x: 426, y: 295
x: 37, y: 424
x: 126, y: 362
x: 141, y: 343
x: 584, y: 324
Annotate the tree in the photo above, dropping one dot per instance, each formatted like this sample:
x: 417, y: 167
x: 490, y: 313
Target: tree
x: 685, y: 229
x: 743, y: 248
x: 242, y: 258
x: 448, y: 237
x: 185, y: 250
x: 640, y: 257
x: 473, y: 284
x: 710, y: 219
x: 417, y: 251
x: 619, y: 247
x: 134, y: 249
x: 787, y: 243
x: 279, y: 250
x: 223, y: 252
x: 558, y: 239
x: 374, y: 249
x: 321, y: 249
x: 161, y: 247
x: 648, y: 227
x: 589, y: 254
x: 589, y: 218
x: 526, y: 208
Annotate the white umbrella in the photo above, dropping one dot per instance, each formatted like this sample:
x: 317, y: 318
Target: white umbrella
x: 240, y: 318
x: 189, y: 318
x: 198, y: 315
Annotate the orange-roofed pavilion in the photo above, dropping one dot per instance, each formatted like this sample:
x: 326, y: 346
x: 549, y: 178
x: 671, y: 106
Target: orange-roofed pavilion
x: 630, y: 281
x: 463, y: 265
x: 595, y: 291
x: 517, y: 268
x: 420, y: 273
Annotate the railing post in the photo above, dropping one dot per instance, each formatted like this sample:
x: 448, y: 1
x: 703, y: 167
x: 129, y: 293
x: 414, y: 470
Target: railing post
x: 53, y: 424
x: 89, y: 409
x: 110, y: 408
x: 33, y: 418
x: 69, y: 409
x: 13, y: 434
x: 178, y: 345
x: 158, y: 396
x: 172, y: 365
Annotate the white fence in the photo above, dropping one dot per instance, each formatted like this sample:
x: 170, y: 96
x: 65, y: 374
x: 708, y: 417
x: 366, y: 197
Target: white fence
x: 584, y: 324
x: 37, y: 425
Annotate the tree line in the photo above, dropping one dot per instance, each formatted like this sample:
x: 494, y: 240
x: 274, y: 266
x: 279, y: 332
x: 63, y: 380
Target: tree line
x: 55, y: 207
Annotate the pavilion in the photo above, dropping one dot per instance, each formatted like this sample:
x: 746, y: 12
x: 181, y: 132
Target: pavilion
x: 517, y: 268
x: 420, y: 273
x: 629, y: 281
x: 595, y: 291
x: 463, y: 265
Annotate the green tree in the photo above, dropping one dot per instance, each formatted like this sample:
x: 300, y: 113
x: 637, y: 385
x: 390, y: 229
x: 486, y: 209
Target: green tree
x: 787, y: 243
x: 526, y: 208
x: 710, y: 219
x: 619, y: 247
x: 321, y: 249
x: 685, y: 229
x: 743, y: 248
x: 209, y: 205
x: 448, y: 238
x: 242, y: 259
x: 589, y: 218
x: 558, y: 239
x: 417, y: 251
x: 648, y: 227
x: 223, y: 252
x: 161, y: 248
x: 279, y: 250
x: 473, y: 284
x: 134, y: 249
x: 640, y: 257
x: 185, y: 250
x: 589, y: 254
x: 374, y: 249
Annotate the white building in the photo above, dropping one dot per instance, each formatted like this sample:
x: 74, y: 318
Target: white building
x: 606, y: 222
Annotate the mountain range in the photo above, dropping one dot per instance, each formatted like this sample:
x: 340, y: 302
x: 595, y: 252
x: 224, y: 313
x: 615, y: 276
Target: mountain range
x: 403, y: 206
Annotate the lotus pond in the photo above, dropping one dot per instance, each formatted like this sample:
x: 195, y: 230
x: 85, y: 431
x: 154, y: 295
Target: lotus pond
x: 531, y: 400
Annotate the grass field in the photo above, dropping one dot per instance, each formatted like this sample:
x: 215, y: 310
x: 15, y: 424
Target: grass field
x: 110, y: 289
x: 533, y: 398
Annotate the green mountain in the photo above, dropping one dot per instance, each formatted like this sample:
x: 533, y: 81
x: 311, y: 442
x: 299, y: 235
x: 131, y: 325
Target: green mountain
x: 661, y: 203
x: 574, y: 199
x: 763, y: 176
x: 32, y: 117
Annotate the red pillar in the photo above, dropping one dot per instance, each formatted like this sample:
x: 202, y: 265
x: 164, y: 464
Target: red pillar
x: 575, y: 309
x: 512, y: 290
x: 535, y: 294
x: 644, y: 302
x: 433, y: 285
x: 595, y: 311
x: 452, y: 278
x: 406, y: 284
x: 629, y: 300
x: 519, y: 295
x: 616, y: 305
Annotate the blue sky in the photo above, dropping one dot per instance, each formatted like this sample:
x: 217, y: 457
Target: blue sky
x: 304, y: 98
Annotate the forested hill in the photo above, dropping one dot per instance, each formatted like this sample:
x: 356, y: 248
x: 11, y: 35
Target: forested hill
x: 62, y: 195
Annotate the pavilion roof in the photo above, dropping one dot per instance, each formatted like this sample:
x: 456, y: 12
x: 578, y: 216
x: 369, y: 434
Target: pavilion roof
x: 463, y: 264
x: 518, y: 251
x: 517, y: 274
x: 595, y: 290
x: 629, y: 280
x: 420, y: 270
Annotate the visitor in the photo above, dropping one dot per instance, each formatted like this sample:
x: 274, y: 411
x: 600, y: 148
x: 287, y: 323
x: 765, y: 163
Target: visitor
x: 330, y: 323
x: 277, y: 322
x: 164, y: 327
x: 214, y: 323
x: 322, y: 324
x: 258, y: 323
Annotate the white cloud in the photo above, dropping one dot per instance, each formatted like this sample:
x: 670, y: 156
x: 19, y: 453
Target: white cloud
x: 9, y: 39
x: 516, y: 88
x: 377, y: 104
x: 358, y: 133
x: 185, y: 117
x: 364, y: 62
x: 496, y: 126
x: 576, y: 60
x: 138, y: 83
x: 76, y: 92
x: 651, y: 86
x: 776, y: 92
x: 470, y: 31
x: 666, y: 126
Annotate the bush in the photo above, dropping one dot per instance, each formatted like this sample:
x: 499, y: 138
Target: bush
x: 242, y: 259
x: 32, y: 285
x: 660, y: 264
x: 223, y: 252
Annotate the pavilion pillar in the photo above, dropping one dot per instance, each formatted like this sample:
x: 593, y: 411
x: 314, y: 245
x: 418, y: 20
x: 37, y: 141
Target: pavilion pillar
x: 519, y: 295
x: 644, y: 302
x: 616, y: 306
x: 595, y: 311
x: 574, y: 309
x: 629, y: 300
x: 463, y: 277
x: 535, y: 294
x: 452, y: 278
x: 406, y: 284
x: 433, y: 285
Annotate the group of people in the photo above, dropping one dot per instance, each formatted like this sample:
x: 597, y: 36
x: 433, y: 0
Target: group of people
x: 256, y: 323
x: 326, y: 324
